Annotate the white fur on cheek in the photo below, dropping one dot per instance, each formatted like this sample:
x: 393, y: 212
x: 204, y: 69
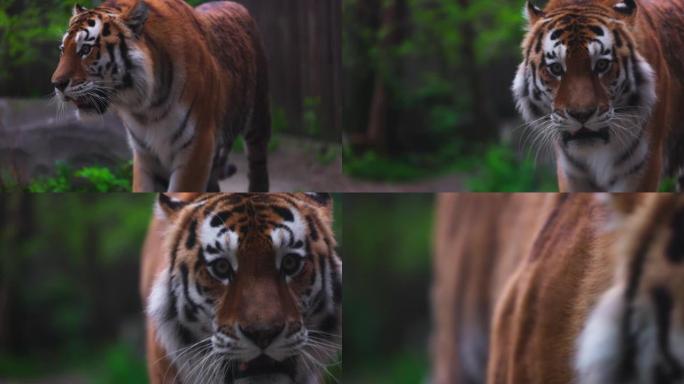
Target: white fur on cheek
x: 648, y: 89
x: 521, y: 102
x: 157, y: 306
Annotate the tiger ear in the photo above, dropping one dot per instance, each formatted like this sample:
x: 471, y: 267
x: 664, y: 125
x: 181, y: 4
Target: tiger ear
x: 323, y: 201
x: 320, y: 198
x: 626, y: 7
x: 78, y: 9
x: 168, y: 206
x: 136, y: 17
x: 533, y: 13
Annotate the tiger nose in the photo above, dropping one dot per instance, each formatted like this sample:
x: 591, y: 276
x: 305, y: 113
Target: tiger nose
x: 582, y: 115
x: 60, y: 84
x: 262, y: 336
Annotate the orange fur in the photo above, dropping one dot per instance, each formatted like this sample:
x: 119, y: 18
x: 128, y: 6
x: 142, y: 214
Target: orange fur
x: 185, y: 82
x: 651, y: 30
x: 258, y: 294
x: 525, y: 274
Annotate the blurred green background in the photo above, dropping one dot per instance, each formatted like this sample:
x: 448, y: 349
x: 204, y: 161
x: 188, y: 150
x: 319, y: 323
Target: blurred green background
x: 387, y: 271
x: 69, y: 302
x: 428, y: 94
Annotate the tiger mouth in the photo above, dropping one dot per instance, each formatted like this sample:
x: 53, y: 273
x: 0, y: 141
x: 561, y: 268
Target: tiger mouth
x: 265, y: 366
x: 584, y: 135
x: 89, y: 104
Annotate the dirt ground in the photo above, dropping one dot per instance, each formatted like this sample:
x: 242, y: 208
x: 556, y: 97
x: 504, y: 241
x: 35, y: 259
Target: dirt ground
x: 294, y: 167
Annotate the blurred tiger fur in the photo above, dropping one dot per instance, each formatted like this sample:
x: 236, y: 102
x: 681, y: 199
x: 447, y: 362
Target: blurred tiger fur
x: 559, y: 289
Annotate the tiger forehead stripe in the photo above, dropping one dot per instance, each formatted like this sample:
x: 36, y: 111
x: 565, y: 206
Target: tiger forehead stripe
x: 219, y: 228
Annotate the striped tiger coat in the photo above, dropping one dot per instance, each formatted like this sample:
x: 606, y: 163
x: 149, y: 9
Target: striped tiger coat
x: 242, y: 288
x: 184, y: 81
x: 559, y: 289
x: 601, y: 84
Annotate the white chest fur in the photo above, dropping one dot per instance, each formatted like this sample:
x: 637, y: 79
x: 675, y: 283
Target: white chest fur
x: 166, y: 140
x: 615, y: 167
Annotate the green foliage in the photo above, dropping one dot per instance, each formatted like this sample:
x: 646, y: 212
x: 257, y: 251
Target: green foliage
x: 327, y: 154
x: 494, y: 168
x: 120, y: 364
x: 87, y: 179
x: 279, y: 121
x: 312, y: 125
x: 427, y: 54
x: 429, y: 39
x: 497, y: 27
x: 668, y: 185
x: 113, y: 364
x: 27, y: 26
x: 406, y: 367
x: 22, y: 366
x: 372, y: 166
x: 500, y: 170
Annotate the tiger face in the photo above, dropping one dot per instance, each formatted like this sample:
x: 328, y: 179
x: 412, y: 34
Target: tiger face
x: 100, y: 59
x: 253, y: 291
x: 583, y: 84
x: 635, y: 334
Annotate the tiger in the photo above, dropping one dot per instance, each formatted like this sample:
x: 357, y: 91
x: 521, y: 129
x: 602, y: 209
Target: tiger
x: 559, y: 289
x: 600, y: 84
x: 185, y: 82
x: 242, y: 288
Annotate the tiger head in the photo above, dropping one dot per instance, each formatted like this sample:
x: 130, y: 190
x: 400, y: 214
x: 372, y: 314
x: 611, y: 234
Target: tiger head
x: 635, y: 334
x: 253, y: 290
x: 101, y: 60
x: 582, y: 83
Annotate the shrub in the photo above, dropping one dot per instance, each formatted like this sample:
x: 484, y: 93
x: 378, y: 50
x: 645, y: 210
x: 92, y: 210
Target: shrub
x: 87, y: 179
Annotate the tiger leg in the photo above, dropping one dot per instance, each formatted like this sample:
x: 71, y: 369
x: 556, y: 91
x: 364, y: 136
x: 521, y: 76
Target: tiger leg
x: 213, y: 185
x: 143, y: 179
x: 191, y: 174
x: 257, y: 138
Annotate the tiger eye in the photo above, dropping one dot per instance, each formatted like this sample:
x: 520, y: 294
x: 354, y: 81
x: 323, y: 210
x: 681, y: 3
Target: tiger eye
x: 85, y: 50
x: 602, y: 65
x: 290, y: 264
x: 222, y: 268
x: 556, y: 69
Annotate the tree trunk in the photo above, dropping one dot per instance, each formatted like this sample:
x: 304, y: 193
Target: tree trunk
x: 376, y: 134
x: 483, y: 125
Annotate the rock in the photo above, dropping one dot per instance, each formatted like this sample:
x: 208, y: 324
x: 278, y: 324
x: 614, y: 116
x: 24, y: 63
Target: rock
x: 33, y: 137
